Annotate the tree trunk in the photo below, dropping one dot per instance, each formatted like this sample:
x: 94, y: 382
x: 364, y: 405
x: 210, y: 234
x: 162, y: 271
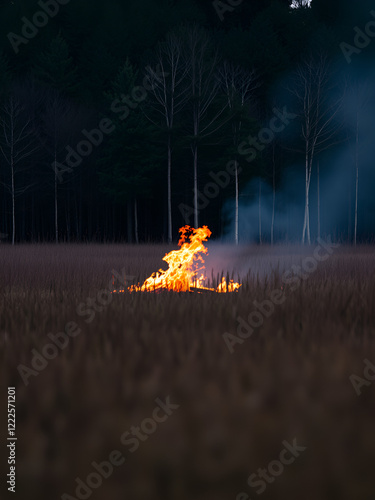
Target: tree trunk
x: 195, y: 153
x: 306, y: 222
x: 113, y: 223
x: 76, y: 218
x: 66, y: 237
x: 169, y: 190
x: 80, y: 210
x: 56, y: 207
x: 32, y: 218
x: 23, y: 231
x: 356, y: 185
x: 236, y: 212
x: 13, y: 200
x: 273, y: 193
x: 129, y: 224
x: 136, y: 221
x: 260, y: 211
x: 350, y: 216
x: 318, y: 201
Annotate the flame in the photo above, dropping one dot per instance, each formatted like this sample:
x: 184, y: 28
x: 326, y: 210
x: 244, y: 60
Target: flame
x: 185, y: 267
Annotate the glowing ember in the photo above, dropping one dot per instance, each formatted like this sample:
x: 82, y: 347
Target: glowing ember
x: 186, y: 266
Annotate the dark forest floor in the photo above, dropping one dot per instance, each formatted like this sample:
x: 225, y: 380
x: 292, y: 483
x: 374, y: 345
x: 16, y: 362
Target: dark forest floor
x: 289, y: 380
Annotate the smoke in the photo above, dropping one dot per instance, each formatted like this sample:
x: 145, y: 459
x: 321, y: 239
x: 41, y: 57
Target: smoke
x: 337, y: 178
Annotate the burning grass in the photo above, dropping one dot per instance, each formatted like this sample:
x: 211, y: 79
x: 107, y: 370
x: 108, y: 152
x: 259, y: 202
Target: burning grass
x: 290, y: 379
x: 186, y: 269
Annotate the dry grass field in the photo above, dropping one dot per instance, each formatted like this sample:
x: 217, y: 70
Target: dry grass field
x: 288, y: 380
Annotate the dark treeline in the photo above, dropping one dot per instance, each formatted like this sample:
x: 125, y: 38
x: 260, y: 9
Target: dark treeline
x: 126, y: 120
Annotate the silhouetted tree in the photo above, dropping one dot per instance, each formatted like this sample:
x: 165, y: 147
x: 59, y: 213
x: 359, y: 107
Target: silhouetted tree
x: 317, y: 108
x: 169, y: 96
x: 238, y: 86
x: 203, y: 86
x: 17, y: 143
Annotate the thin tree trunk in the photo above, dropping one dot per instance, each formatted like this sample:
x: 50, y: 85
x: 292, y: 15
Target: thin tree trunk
x: 3, y: 212
x: 113, y: 223
x: 13, y: 202
x: 318, y: 201
x: 76, y: 218
x: 56, y: 207
x: 196, y: 222
x: 306, y: 205
x: 67, y: 211
x: 308, y: 217
x: 273, y: 193
x: 13, y: 186
x: 23, y: 233
x: 80, y: 209
x: 236, y: 213
x: 136, y: 221
x: 169, y: 190
x: 260, y: 211
x: 306, y: 222
x: 356, y: 185
x: 129, y: 225
x: 32, y: 218
x: 350, y: 216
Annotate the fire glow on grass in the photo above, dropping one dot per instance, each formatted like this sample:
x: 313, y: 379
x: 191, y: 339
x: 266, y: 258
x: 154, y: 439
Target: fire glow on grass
x: 186, y: 266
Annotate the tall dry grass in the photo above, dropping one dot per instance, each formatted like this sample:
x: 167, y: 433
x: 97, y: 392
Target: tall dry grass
x: 290, y: 379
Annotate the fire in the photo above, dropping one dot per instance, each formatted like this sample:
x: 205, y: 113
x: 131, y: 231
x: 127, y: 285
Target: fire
x: 185, y: 267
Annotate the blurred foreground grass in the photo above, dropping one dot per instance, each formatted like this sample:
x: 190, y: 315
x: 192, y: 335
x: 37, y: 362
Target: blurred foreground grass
x: 289, y: 380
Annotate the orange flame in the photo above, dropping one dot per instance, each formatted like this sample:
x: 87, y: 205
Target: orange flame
x: 185, y: 267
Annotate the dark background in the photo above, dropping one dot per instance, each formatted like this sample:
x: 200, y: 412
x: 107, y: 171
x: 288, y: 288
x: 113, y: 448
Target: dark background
x: 92, y: 51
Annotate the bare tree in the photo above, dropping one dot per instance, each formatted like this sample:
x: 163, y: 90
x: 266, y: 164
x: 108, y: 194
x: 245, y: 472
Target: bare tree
x: 238, y: 85
x: 317, y: 107
x: 17, y: 144
x: 170, y: 96
x: 203, y: 85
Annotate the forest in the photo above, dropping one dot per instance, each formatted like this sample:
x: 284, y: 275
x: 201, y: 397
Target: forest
x: 123, y: 121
